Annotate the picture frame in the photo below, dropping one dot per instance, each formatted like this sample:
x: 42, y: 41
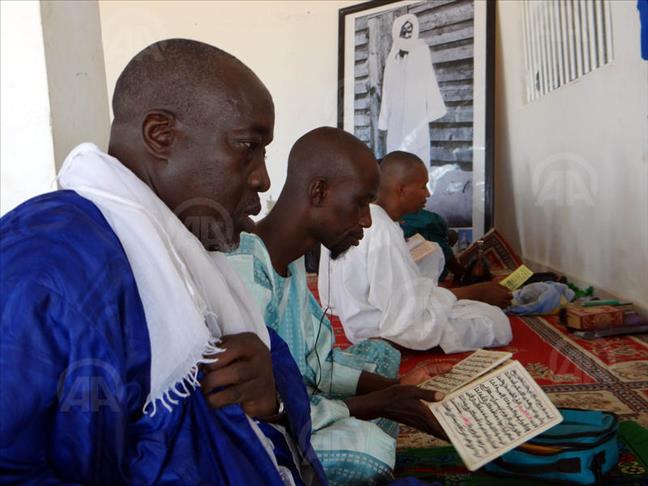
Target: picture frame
x: 390, y: 95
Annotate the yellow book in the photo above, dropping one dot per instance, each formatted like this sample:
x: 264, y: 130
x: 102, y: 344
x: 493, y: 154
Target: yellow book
x: 517, y: 278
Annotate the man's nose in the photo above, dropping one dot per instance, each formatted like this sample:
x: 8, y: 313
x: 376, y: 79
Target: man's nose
x: 365, y: 218
x: 427, y: 191
x: 259, y: 179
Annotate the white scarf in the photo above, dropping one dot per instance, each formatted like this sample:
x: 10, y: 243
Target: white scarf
x: 191, y: 297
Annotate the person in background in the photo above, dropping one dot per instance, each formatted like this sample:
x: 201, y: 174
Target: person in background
x: 378, y: 291
x: 332, y: 177
x: 433, y: 227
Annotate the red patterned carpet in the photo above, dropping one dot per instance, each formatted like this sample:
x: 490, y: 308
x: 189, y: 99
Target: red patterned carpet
x: 603, y: 374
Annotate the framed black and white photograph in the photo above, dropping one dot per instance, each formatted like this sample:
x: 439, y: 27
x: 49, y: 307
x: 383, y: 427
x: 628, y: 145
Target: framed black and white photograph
x: 418, y: 76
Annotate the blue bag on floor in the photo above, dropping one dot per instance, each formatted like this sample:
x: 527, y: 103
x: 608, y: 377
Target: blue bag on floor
x: 540, y: 298
x: 580, y: 450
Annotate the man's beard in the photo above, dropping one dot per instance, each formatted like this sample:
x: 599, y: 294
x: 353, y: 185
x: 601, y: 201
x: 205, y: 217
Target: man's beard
x: 219, y: 237
x: 338, y: 252
x: 216, y: 231
x: 343, y: 245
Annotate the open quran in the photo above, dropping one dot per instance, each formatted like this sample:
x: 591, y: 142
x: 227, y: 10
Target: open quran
x: 492, y: 405
x: 419, y: 247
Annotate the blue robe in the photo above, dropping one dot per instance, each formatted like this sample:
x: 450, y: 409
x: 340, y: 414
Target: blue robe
x: 74, y: 369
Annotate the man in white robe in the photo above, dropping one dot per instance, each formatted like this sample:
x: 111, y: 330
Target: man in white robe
x: 378, y: 291
x: 411, y: 97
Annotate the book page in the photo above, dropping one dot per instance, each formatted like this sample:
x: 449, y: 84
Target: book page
x: 495, y: 414
x: 414, y: 241
x: 467, y: 370
x: 422, y: 250
x: 517, y: 278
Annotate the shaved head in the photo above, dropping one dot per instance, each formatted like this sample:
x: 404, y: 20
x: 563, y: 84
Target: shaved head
x: 192, y: 122
x: 398, y: 167
x: 176, y: 75
x: 329, y: 153
x: 332, y: 178
x: 403, y: 184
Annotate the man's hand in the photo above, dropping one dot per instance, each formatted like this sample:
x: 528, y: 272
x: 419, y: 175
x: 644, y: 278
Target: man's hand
x: 244, y: 372
x: 400, y: 403
x: 489, y: 292
x: 424, y: 373
x: 495, y: 294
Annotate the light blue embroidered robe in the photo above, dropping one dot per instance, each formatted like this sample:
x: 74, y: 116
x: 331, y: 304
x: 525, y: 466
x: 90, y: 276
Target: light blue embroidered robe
x: 352, y: 451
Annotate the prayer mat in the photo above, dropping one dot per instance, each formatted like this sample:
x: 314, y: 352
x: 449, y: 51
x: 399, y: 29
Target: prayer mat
x: 609, y: 374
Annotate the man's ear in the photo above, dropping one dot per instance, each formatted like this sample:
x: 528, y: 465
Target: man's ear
x: 318, y: 191
x: 401, y: 190
x: 159, y: 132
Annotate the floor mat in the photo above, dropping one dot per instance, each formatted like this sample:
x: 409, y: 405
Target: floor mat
x: 608, y: 374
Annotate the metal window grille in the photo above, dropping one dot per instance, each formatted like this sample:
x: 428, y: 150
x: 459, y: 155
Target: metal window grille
x: 563, y: 41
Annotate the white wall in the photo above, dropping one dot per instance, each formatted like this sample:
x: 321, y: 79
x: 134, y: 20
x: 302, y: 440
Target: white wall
x: 26, y: 151
x: 572, y: 167
x: 53, y: 92
x: 76, y: 75
x: 290, y: 45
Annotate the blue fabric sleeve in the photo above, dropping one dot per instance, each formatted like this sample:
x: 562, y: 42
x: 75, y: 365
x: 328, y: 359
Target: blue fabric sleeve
x: 75, y: 367
x: 29, y: 357
x: 73, y: 346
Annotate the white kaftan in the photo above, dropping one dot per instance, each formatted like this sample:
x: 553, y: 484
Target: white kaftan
x: 378, y: 291
x: 411, y: 97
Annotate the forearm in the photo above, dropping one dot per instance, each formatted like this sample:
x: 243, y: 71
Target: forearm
x: 465, y: 293
x: 401, y: 403
x: 371, y: 382
x: 363, y: 408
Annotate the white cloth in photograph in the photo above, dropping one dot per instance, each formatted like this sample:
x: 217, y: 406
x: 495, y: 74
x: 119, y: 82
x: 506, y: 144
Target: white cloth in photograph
x: 378, y: 291
x: 191, y: 297
x: 411, y: 97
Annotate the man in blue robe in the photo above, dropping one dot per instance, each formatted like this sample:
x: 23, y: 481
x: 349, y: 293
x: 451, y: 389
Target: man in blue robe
x: 116, y: 302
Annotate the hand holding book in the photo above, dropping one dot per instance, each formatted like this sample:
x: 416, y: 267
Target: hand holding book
x: 493, y: 405
x: 405, y: 404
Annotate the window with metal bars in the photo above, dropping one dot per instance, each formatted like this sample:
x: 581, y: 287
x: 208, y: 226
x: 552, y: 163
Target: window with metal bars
x: 563, y: 41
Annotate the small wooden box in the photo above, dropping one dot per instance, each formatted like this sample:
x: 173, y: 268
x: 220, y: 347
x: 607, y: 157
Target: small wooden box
x: 598, y: 317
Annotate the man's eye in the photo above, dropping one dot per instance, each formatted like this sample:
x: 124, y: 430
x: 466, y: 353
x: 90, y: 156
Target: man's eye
x: 248, y: 145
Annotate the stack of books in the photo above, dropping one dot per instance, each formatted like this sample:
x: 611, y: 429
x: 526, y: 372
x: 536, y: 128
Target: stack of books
x: 601, y: 318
